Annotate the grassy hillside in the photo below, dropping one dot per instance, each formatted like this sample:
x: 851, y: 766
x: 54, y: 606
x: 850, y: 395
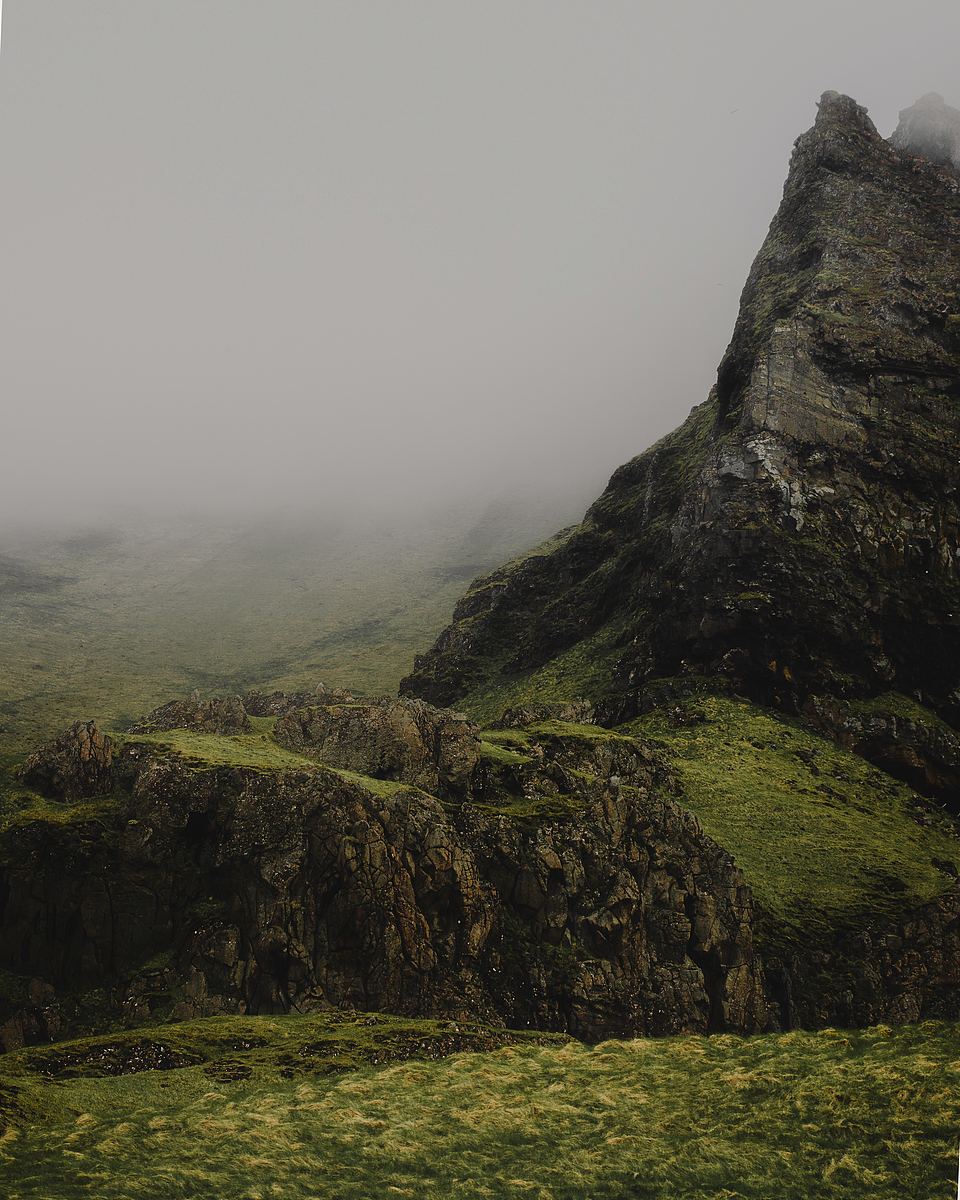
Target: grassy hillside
x: 819, y: 833
x: 109, y: 624
x: 301, y: 1107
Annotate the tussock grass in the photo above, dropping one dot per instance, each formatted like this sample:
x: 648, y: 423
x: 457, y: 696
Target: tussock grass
x: 815, y: 829
x: 831, y: 1115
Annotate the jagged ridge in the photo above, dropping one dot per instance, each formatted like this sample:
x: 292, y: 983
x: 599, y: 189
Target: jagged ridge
x: 799, y: 532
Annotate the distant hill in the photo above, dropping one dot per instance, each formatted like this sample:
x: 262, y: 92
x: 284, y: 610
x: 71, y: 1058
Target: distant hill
x: 110, y: 623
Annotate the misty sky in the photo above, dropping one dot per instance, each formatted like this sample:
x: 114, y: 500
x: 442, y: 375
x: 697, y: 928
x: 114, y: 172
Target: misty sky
x: 256, y: 255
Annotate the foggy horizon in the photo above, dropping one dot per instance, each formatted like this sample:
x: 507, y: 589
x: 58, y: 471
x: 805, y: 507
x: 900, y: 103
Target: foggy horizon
x: 380, y: 258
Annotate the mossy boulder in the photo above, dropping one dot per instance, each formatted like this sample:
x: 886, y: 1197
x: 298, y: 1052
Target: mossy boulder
x: 402, y: 740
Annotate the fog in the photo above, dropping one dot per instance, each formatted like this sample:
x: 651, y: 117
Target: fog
x: 298, y: 255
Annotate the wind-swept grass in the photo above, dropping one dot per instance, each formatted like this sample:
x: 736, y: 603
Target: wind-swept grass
x: 829, y: 1115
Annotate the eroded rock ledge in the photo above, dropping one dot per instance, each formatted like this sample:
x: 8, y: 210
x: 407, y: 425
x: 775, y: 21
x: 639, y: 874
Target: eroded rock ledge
x: 558, y: 886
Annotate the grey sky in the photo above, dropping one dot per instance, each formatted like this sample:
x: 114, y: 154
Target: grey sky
x: 262, y: 254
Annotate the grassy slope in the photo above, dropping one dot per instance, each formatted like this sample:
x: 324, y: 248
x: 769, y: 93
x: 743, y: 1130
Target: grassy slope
x: 109, y: 626
x: 255, y: 749
x: 815, y: 829
x: 575, y: 673
x: 831, y: 1115
x: 835, y: 1115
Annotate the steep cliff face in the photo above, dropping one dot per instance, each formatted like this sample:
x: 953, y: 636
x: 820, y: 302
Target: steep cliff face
x: 799, y: 533
x: 795, y: 543
x: 563, y: 888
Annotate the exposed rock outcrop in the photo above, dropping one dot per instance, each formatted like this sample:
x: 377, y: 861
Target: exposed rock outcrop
x: 407, y: 740
x: 799, y: 533
x: 924, y: 752
x: 902, y: 968
x: 226, y: 715
x: 77, y: 765
x: 931, y: 128
x: 796, y: 541
x: 568, y: 892
x: 277, y: 703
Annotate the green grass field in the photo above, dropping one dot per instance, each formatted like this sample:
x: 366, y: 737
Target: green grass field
x: 817, y: 831
x: 109, y: 625
x: 799, y: 1116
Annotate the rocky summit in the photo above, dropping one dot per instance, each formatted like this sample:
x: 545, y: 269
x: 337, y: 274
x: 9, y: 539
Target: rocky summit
x: 799, y: 534
x: 704, y: 768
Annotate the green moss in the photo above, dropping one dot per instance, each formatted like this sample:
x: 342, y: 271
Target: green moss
x: 580, y: 672
x: 537, y: 809
x: 575, y: 731
x: 818, y: 832
x: 264, y: 726
x: 508, y: 745
x: 379, y: 787
x: 494, y: 752
x: 511, y: 736
x: 39, y: 810
x: 257, y: 750
x: 835, y: 1115
x: 905, y: 707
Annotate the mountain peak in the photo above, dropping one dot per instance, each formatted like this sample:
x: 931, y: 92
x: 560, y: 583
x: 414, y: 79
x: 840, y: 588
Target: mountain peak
x: 797, y: 535
x: 836, y: 107
x: 931, y: 128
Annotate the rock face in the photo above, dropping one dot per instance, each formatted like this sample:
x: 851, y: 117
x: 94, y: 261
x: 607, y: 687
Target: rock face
x: 209, y: 716
x: 930, y: 128
x: 566, y: 890
x: 800, y: 533
x: 77, y: 765
x: 903, y: 968
x: 796, y: 542
x: 407, y: 740
x: 924, y: 753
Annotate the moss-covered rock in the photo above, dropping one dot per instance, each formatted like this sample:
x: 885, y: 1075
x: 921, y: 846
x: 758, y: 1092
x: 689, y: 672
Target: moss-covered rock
x: 234, y: 874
